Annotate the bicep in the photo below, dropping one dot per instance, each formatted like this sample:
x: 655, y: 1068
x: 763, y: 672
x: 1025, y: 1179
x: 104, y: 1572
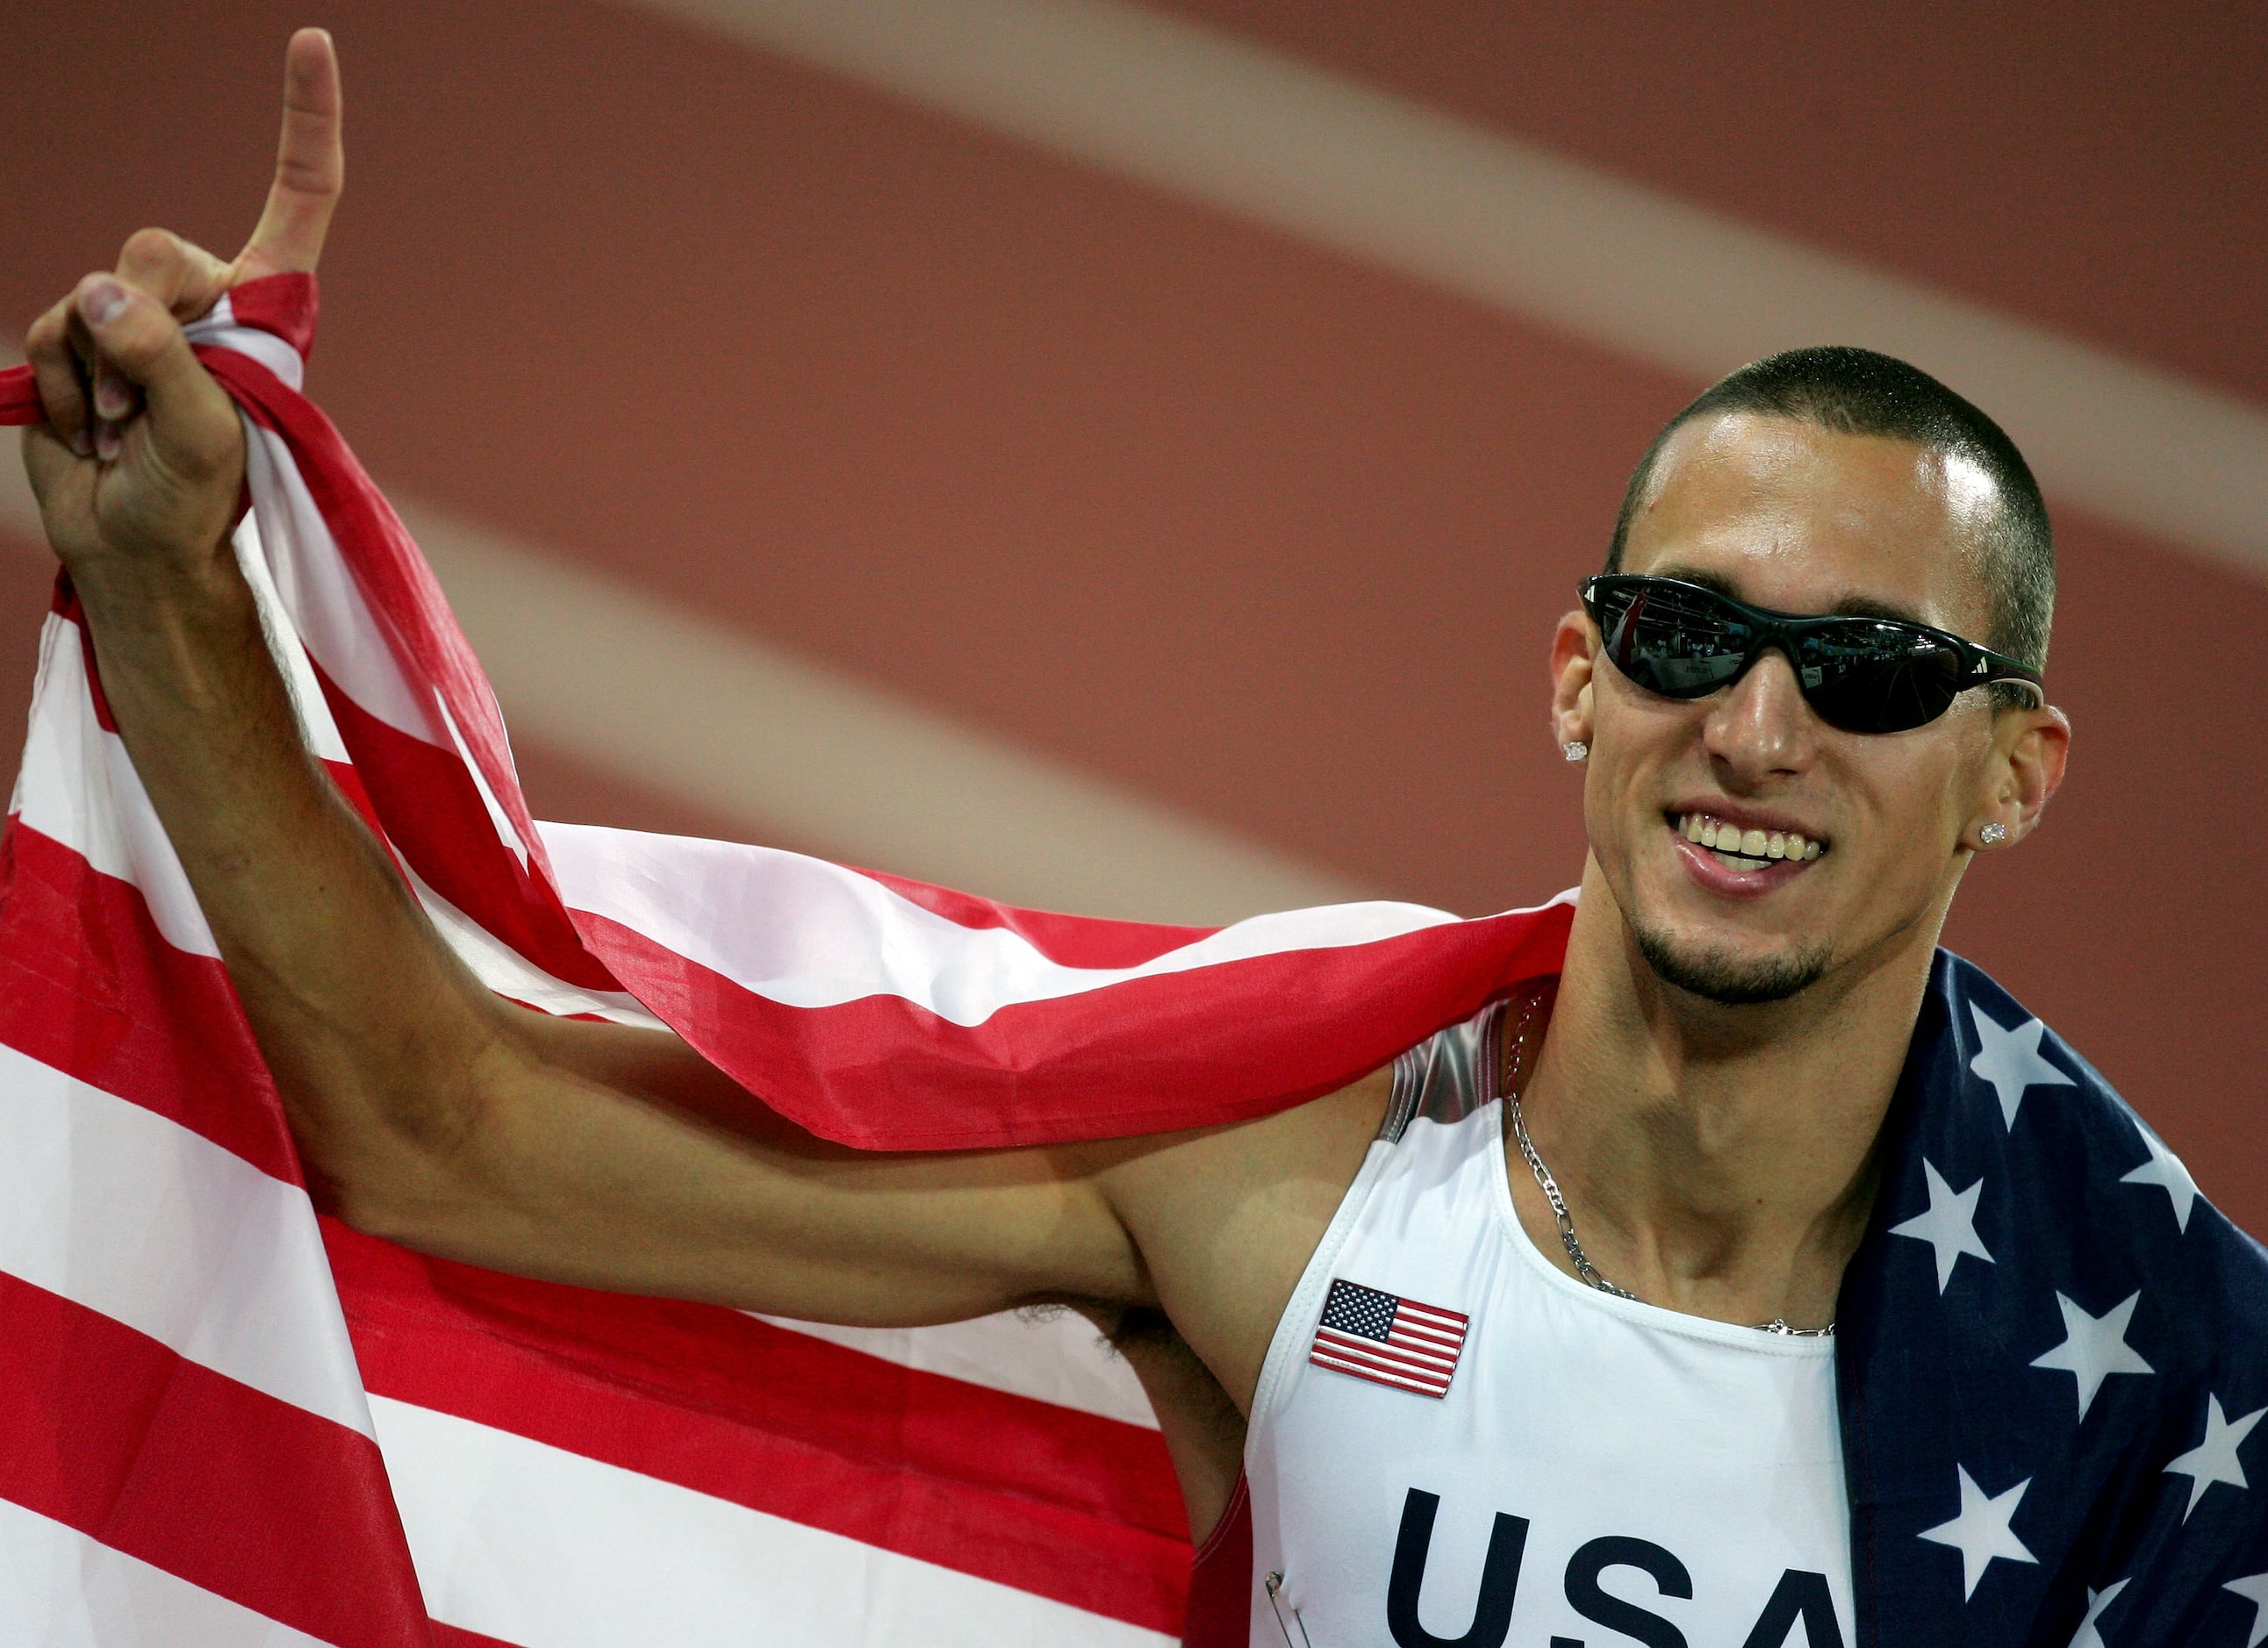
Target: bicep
x: 618, y: 1157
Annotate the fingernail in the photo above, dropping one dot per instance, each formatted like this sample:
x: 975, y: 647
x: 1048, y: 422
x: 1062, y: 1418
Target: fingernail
x: 110, y: 399
x: 105, y: 441
x: 101, y: 301
x: 80, y: 444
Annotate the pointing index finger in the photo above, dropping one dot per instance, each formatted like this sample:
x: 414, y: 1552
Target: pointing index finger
x: 310, y: 164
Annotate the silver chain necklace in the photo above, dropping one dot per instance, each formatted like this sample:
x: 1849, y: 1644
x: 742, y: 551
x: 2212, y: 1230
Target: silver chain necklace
x: 1550, y: 1186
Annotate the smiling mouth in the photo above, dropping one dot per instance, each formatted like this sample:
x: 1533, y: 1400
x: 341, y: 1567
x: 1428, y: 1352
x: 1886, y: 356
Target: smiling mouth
x: 1738, y: 849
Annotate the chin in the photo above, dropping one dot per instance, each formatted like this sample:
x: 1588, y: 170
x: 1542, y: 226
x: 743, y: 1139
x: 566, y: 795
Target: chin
x: 1720, y: 974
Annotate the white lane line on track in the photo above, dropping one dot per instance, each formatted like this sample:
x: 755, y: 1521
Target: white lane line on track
x: 604, y: 672
x: 1389, y: 180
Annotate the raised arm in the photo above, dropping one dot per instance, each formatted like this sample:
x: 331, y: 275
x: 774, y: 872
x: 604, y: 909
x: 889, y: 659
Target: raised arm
x: 427, y: 1110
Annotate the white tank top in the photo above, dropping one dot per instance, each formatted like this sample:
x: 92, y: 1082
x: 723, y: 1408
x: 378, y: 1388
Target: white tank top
x: 1597, y: 1471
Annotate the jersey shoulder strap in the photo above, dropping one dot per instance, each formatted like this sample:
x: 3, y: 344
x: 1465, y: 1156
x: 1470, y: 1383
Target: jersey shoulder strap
x: 1447, y: 1076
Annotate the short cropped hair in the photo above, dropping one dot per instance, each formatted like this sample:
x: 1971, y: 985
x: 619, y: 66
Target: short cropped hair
x: 1858, y: 392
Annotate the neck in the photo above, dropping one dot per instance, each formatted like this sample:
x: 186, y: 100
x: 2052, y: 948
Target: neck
x: 1716, y: 1161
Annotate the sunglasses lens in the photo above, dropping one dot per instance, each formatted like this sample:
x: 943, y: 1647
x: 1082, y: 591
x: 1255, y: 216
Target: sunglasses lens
x: 1681, y: 642
x: 1861, y: 674
x: 1877, y: 678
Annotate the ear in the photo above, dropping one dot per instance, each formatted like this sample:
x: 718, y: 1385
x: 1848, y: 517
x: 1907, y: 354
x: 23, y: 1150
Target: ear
x: 2029, y: 747
x: 1573, y: 645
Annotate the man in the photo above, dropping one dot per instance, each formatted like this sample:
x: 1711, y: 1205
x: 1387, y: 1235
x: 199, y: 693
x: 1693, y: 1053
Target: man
x: 1557, y: 1293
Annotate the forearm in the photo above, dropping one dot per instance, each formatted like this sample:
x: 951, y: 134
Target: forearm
x: 376, y: 1034
x: 442, y: 1117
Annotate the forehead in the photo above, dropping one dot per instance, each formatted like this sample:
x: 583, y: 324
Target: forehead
x: 1801, y: 518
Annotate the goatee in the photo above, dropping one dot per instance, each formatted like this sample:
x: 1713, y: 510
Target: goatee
x: 1732, y: 982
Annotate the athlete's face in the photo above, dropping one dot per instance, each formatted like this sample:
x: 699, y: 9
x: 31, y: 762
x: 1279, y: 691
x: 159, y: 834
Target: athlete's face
x: 1800, y: 519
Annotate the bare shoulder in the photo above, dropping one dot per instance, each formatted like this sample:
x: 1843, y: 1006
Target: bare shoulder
x: 1226, y: 1219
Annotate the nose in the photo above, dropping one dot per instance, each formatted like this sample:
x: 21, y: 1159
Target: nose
x: 1760, y: 728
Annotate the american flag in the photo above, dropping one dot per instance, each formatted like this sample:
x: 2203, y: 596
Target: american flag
x: 223, y: 1420
x: 227, y: 1420
x: 1389, y: 1340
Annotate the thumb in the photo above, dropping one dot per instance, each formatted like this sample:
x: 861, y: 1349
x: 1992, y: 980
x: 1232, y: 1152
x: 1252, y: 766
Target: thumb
x: 192, y: 423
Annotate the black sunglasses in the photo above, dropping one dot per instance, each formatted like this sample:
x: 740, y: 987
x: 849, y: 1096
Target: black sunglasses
x: 1862, y: 674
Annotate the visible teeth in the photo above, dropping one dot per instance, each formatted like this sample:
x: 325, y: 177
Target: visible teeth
x: 1746, y: 850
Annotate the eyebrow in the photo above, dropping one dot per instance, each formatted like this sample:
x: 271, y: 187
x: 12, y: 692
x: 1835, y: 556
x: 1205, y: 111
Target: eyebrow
x: 1849, y: 606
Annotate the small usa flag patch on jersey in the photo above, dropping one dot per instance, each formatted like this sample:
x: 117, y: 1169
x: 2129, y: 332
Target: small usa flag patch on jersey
x: 1389, y: 1340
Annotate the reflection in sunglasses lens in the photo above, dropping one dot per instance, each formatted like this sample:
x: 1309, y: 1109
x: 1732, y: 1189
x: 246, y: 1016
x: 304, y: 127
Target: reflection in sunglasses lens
x: 1865, y: 676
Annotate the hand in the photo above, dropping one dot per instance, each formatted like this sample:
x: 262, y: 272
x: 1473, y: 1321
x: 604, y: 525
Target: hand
x: 141, y: 460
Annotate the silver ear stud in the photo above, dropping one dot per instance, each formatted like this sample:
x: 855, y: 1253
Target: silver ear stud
x: 1993, y: 834
x: 1575, y: 750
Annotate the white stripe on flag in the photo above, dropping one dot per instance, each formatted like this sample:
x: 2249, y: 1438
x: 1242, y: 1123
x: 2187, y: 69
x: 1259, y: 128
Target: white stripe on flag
x: 320, y: 598
x: 850, y: 936
x: 1355, y: 1347
x: 546, y: 1549
x: 317, y: 729
x: 77, y: 787
x: 1382, y: 1375
x: 220, y: 327
x: 60, y: 1589
x: 1051, y: 1358
x: 119, y: 1209
x: 68, y: 759
x: 508, y: 973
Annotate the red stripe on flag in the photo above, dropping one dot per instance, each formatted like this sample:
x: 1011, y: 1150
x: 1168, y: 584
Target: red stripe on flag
x: 1382, y: 1376
x: 19, y: 397
x: 106, y: 1430
x: 66, y: 606
x: 458, y: 1636
x: 1047, y: 1499
x: 384, y: 564
x: 1418, y: 1337
x: 1411, y: 1313
x: 1350, y: 1344
x: 1079, y: 941
x: 1356, y: 1361
x: 1423, y: 1372
x: 1093, y: 1065
x: 1430, y: 1335
x: 89, y: 987
x: 429, y: 811
x: 284, y: 305
x: 1220, y: 1579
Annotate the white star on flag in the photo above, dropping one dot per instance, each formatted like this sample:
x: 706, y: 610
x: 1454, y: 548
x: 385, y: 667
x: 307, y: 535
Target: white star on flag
x: 2254, y: 1590
x: 1981, y: 1532
x: 2010, y: 1060
x: 2215, y: 1460
x: 2164, y: 1169
x: 1949, y: 1226
x: 2093, y: 1348
x: 2090, y: 1633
